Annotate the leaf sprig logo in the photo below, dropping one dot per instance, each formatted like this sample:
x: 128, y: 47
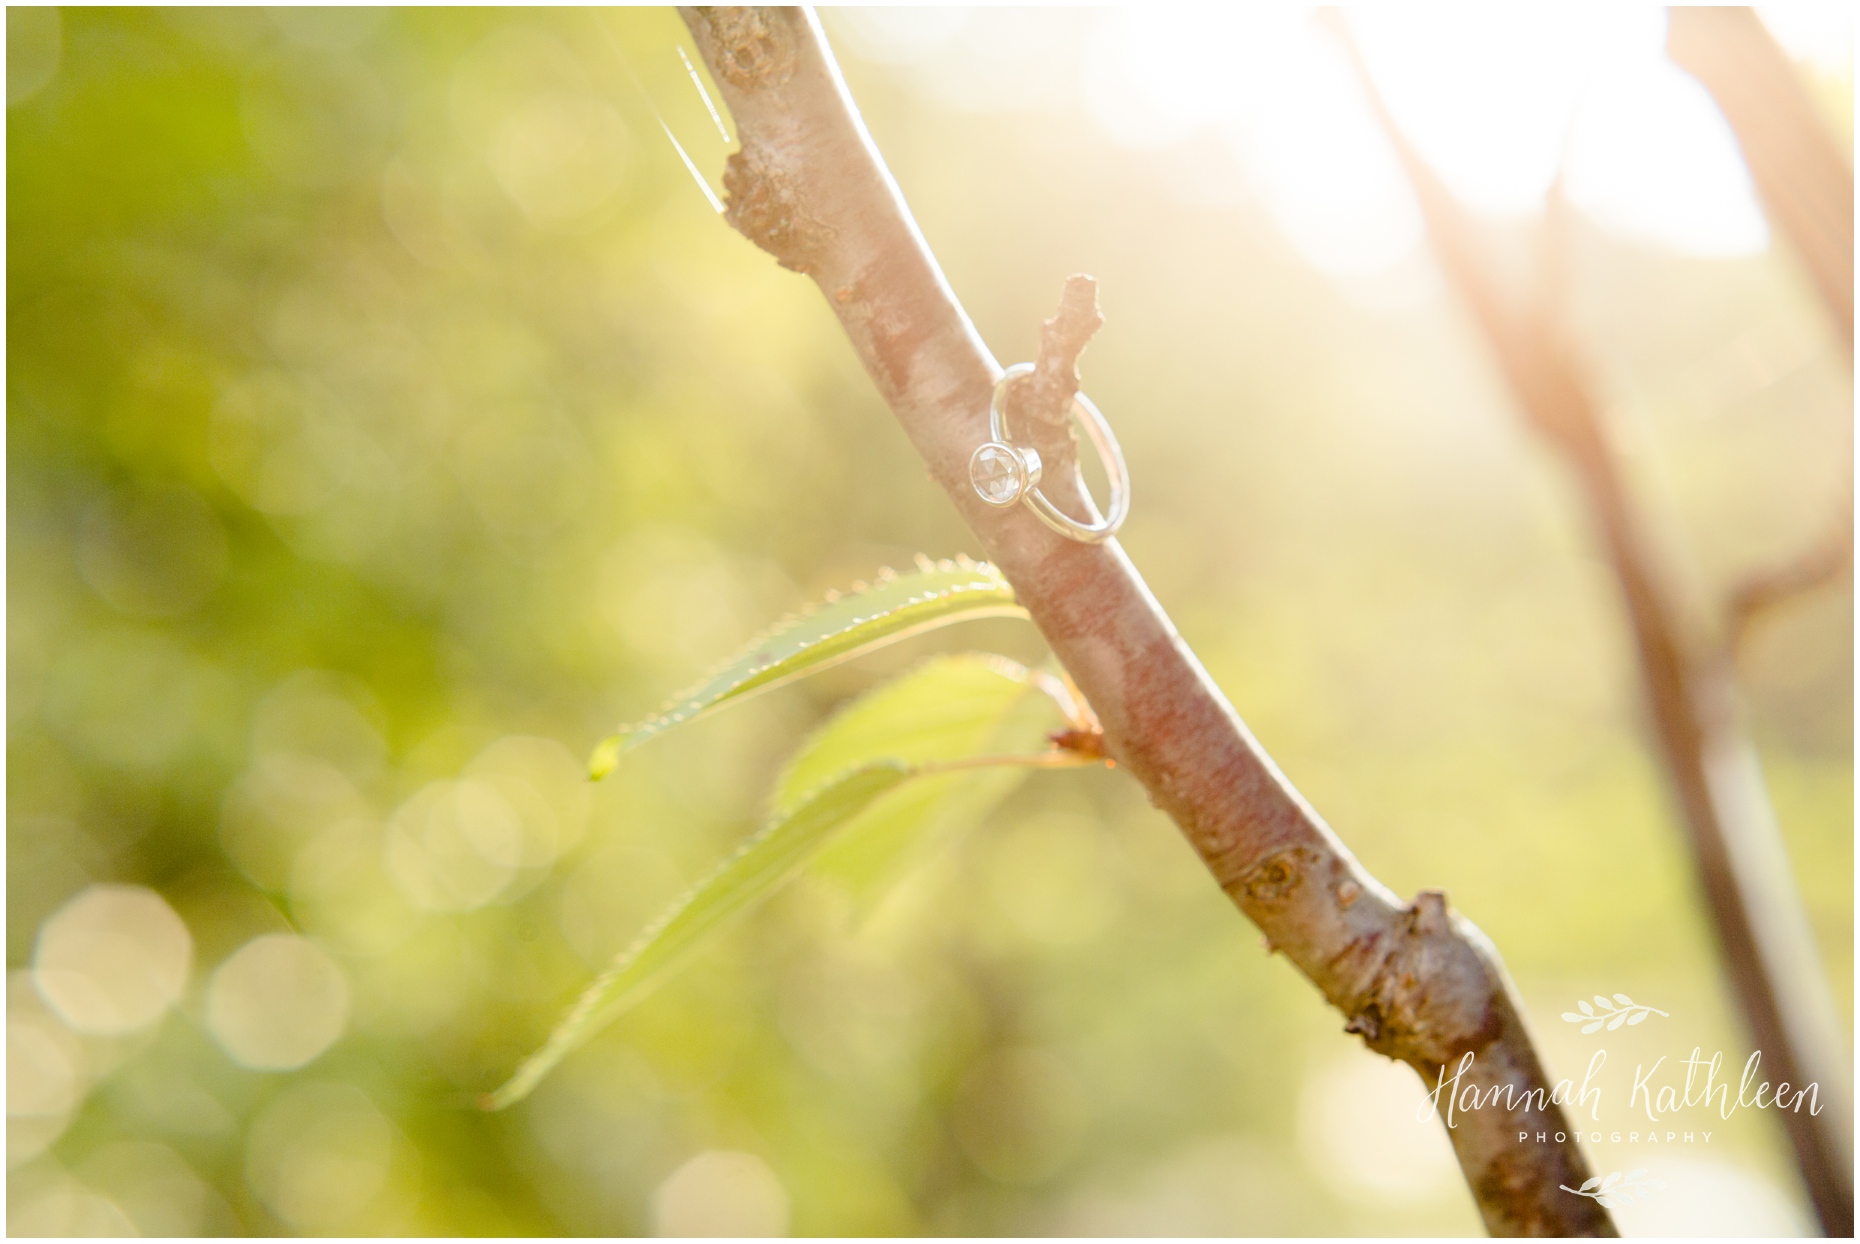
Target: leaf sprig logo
x: 1617, y: 1191
x: 1612, y: 1013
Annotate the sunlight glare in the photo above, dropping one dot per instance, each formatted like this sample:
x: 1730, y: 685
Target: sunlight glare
x: 1487, y: 93
x: 1494, y: 98
x: 1816, y: 31
x: 1281, y: 94
x: 1653, y: 158
x: 899, y: 35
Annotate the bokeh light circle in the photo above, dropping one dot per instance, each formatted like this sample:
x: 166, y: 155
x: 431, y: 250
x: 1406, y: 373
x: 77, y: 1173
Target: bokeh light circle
x: 277, y: 1003
x: 454, y: 846
x: 721, y: 1193
x: 41, y: 1076
x: 319, y: 1155
x: 112, y: 959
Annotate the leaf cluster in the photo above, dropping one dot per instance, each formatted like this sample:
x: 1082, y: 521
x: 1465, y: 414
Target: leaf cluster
x: 931, y: 750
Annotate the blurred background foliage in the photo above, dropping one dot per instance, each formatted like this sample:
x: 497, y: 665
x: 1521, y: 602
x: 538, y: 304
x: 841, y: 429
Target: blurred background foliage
x: 389, y: 415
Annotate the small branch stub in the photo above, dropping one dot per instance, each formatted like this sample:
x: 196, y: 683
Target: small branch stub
x: 1062, y: 339
x: 1004, y: 473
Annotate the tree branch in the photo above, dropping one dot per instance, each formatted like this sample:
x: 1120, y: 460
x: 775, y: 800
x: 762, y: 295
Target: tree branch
x: 1418, y: 982
x: 1805, y: 182
x: 1828, y: 560
x: 1691, y: 697
x: 1808, y: 188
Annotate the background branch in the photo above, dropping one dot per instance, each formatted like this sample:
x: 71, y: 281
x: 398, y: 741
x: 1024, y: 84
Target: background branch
x: 1828, y: 559
x: 1417, y: 981
x: 1808, y: 189
x: 1806, y: 183
x: 1743, y: 868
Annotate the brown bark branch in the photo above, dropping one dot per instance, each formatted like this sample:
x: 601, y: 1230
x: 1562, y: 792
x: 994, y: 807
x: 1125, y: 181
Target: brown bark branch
x: 1805, y: 181
x: 1743, y: 868
x: 1808, y: 189
x: 1828, y: 560
x: 1418, y: 981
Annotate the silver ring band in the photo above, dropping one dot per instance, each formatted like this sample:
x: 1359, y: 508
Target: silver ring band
x: 1005, y: 474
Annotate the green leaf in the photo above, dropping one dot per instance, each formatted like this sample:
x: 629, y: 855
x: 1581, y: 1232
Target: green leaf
x: 890, y: 609
x: 945, y: 709
x: 760, y: 865
x: 935, y: 747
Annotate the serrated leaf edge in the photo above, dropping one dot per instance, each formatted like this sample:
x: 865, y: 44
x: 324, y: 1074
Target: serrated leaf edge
x: 683, y: 708
x: 592, y: 1011
x: 597, y: 1005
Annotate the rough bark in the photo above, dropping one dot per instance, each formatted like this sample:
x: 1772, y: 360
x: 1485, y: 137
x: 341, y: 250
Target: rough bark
x: 1692, y: 701
x: 1416, y: 980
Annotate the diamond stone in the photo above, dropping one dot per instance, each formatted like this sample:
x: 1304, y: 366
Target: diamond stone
x: 996, y: 474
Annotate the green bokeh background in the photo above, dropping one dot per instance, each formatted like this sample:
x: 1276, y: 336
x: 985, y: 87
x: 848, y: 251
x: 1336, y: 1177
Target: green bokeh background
x: 357, y: 420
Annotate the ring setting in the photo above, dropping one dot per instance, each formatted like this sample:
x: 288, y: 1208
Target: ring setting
x: 1005, y: 474
x: 1002, y: 473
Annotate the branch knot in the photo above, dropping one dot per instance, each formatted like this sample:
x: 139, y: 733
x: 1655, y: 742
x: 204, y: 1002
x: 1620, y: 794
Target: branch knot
x: 765, y: 207
x: 755, y: 45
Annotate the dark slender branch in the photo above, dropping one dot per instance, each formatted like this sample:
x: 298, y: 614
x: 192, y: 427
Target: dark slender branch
x: 1418, y: 982
x: 1691, y: 697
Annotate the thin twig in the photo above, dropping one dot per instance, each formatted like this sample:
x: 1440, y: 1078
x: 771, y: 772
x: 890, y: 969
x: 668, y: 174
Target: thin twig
x: 1417, y: 981
x: 1034, y: 760
x: 1829, y: 559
